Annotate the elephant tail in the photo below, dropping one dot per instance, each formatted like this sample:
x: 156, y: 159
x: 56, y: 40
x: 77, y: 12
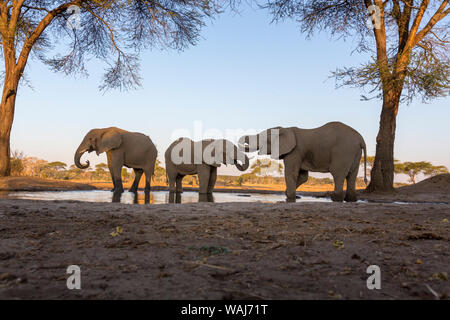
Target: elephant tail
x: 363, y: 146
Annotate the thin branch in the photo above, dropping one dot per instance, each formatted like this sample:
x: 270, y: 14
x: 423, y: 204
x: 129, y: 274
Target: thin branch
x: 434, y: 34
x: 17, y: 7
x: 107, y: 26
x: 415, y: 27
x: 35, y: 8
x: 410, y: 6
x: 438, y: 15
x: 29, y: 42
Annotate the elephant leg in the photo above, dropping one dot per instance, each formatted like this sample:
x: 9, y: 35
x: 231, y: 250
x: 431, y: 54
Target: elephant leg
x: 117, y: 164
x: 291, y: 176
x: 111, y: 171
x: 137, y: 177
x: 204, y: 173
x: 172, y: 177
x: 174, y: 197
x: 148, y: 178
x: 302, y: 177
x: 179, y: 183
x: 338, y: 195
x: 212, y: 179
x: 350, y: 195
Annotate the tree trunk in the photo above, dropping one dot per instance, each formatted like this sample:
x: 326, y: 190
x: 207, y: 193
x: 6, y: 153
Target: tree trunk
x: 6, y: 120
x: 382, y: 173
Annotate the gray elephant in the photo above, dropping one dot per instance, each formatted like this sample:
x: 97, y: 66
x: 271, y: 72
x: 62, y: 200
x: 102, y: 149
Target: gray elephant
x: 131, y: 149
x: 186, y: 157
x: 333, y: 147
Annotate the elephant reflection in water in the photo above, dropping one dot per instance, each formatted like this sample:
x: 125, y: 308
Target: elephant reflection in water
x: 148, y: 198
x: 175, y: 197
x: 205, y: 197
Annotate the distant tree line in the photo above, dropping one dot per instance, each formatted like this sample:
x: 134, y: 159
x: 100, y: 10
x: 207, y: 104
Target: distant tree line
x: 22, y: 165
x: 262, y: 171
x: 412, y: 169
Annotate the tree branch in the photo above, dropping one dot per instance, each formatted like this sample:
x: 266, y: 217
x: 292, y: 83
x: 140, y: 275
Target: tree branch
x: 29, y: 42
x: 415, y: 27
x: 436, y: 36
x: 438, y: 15
x: 380, y: 39
x: 17, y: 7
x: 409, y: 5
x: 108, y: 27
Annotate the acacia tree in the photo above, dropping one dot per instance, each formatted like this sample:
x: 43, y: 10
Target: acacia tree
x: 407, y: 41
x: 113, y: 31
x: 412, y: 169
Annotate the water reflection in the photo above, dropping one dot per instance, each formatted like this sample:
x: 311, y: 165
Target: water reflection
x: 137, y: 197
x: 205, y: 197
x: 154, y: 197
x: 174, y: 197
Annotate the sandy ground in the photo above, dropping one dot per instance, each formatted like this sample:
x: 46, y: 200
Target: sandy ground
x: 230, y: 250
x: 38, y: 184
x: 224, y: 250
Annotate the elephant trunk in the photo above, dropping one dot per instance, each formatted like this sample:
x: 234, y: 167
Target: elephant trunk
x: 245, y: 164
x: 249, y: 143
x: 80, y: 151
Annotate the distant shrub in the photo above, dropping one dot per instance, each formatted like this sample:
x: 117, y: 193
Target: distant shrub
x: 17, y: 163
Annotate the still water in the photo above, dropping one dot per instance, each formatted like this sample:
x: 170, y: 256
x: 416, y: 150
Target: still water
x: 156, y: 197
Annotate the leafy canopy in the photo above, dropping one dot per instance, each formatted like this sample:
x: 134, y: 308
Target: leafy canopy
x: 114, y: 31
x: 410, y: 49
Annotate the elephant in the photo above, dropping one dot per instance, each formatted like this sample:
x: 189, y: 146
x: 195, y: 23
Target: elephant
x: 123, y: 148
x: 333, y: 147
x: 186, y: 157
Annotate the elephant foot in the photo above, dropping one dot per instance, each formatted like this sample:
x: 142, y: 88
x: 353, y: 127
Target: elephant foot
x: 291, y: 195
x: 116, y: 197
x: 290, y: 199
x: 205, y: 197
x: 337, y: 197
x: 118, y: 191
x: 350, y: 197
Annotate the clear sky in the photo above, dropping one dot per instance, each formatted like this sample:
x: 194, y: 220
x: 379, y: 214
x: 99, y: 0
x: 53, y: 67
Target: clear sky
x: 244, y: 73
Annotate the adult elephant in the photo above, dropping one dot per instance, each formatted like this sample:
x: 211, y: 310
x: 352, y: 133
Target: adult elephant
x: 123, y: 148
x: 186, y: 157
x: 333, y: 147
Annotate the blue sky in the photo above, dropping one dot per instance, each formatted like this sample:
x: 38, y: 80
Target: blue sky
x: 244, y: 73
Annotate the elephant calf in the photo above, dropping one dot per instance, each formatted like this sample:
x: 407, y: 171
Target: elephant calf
x: 131, y: 149
x: 333, y: 147
x: 185, y: 157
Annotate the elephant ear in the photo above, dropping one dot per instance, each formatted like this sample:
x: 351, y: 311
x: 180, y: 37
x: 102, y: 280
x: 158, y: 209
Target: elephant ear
x: 211, y: 150
x: 230, y: 150
x: 109, y: 140
x: 287, y: 142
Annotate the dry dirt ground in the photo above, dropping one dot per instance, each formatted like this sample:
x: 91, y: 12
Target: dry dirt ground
x: 224, y: 250
x: 38, y: 184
